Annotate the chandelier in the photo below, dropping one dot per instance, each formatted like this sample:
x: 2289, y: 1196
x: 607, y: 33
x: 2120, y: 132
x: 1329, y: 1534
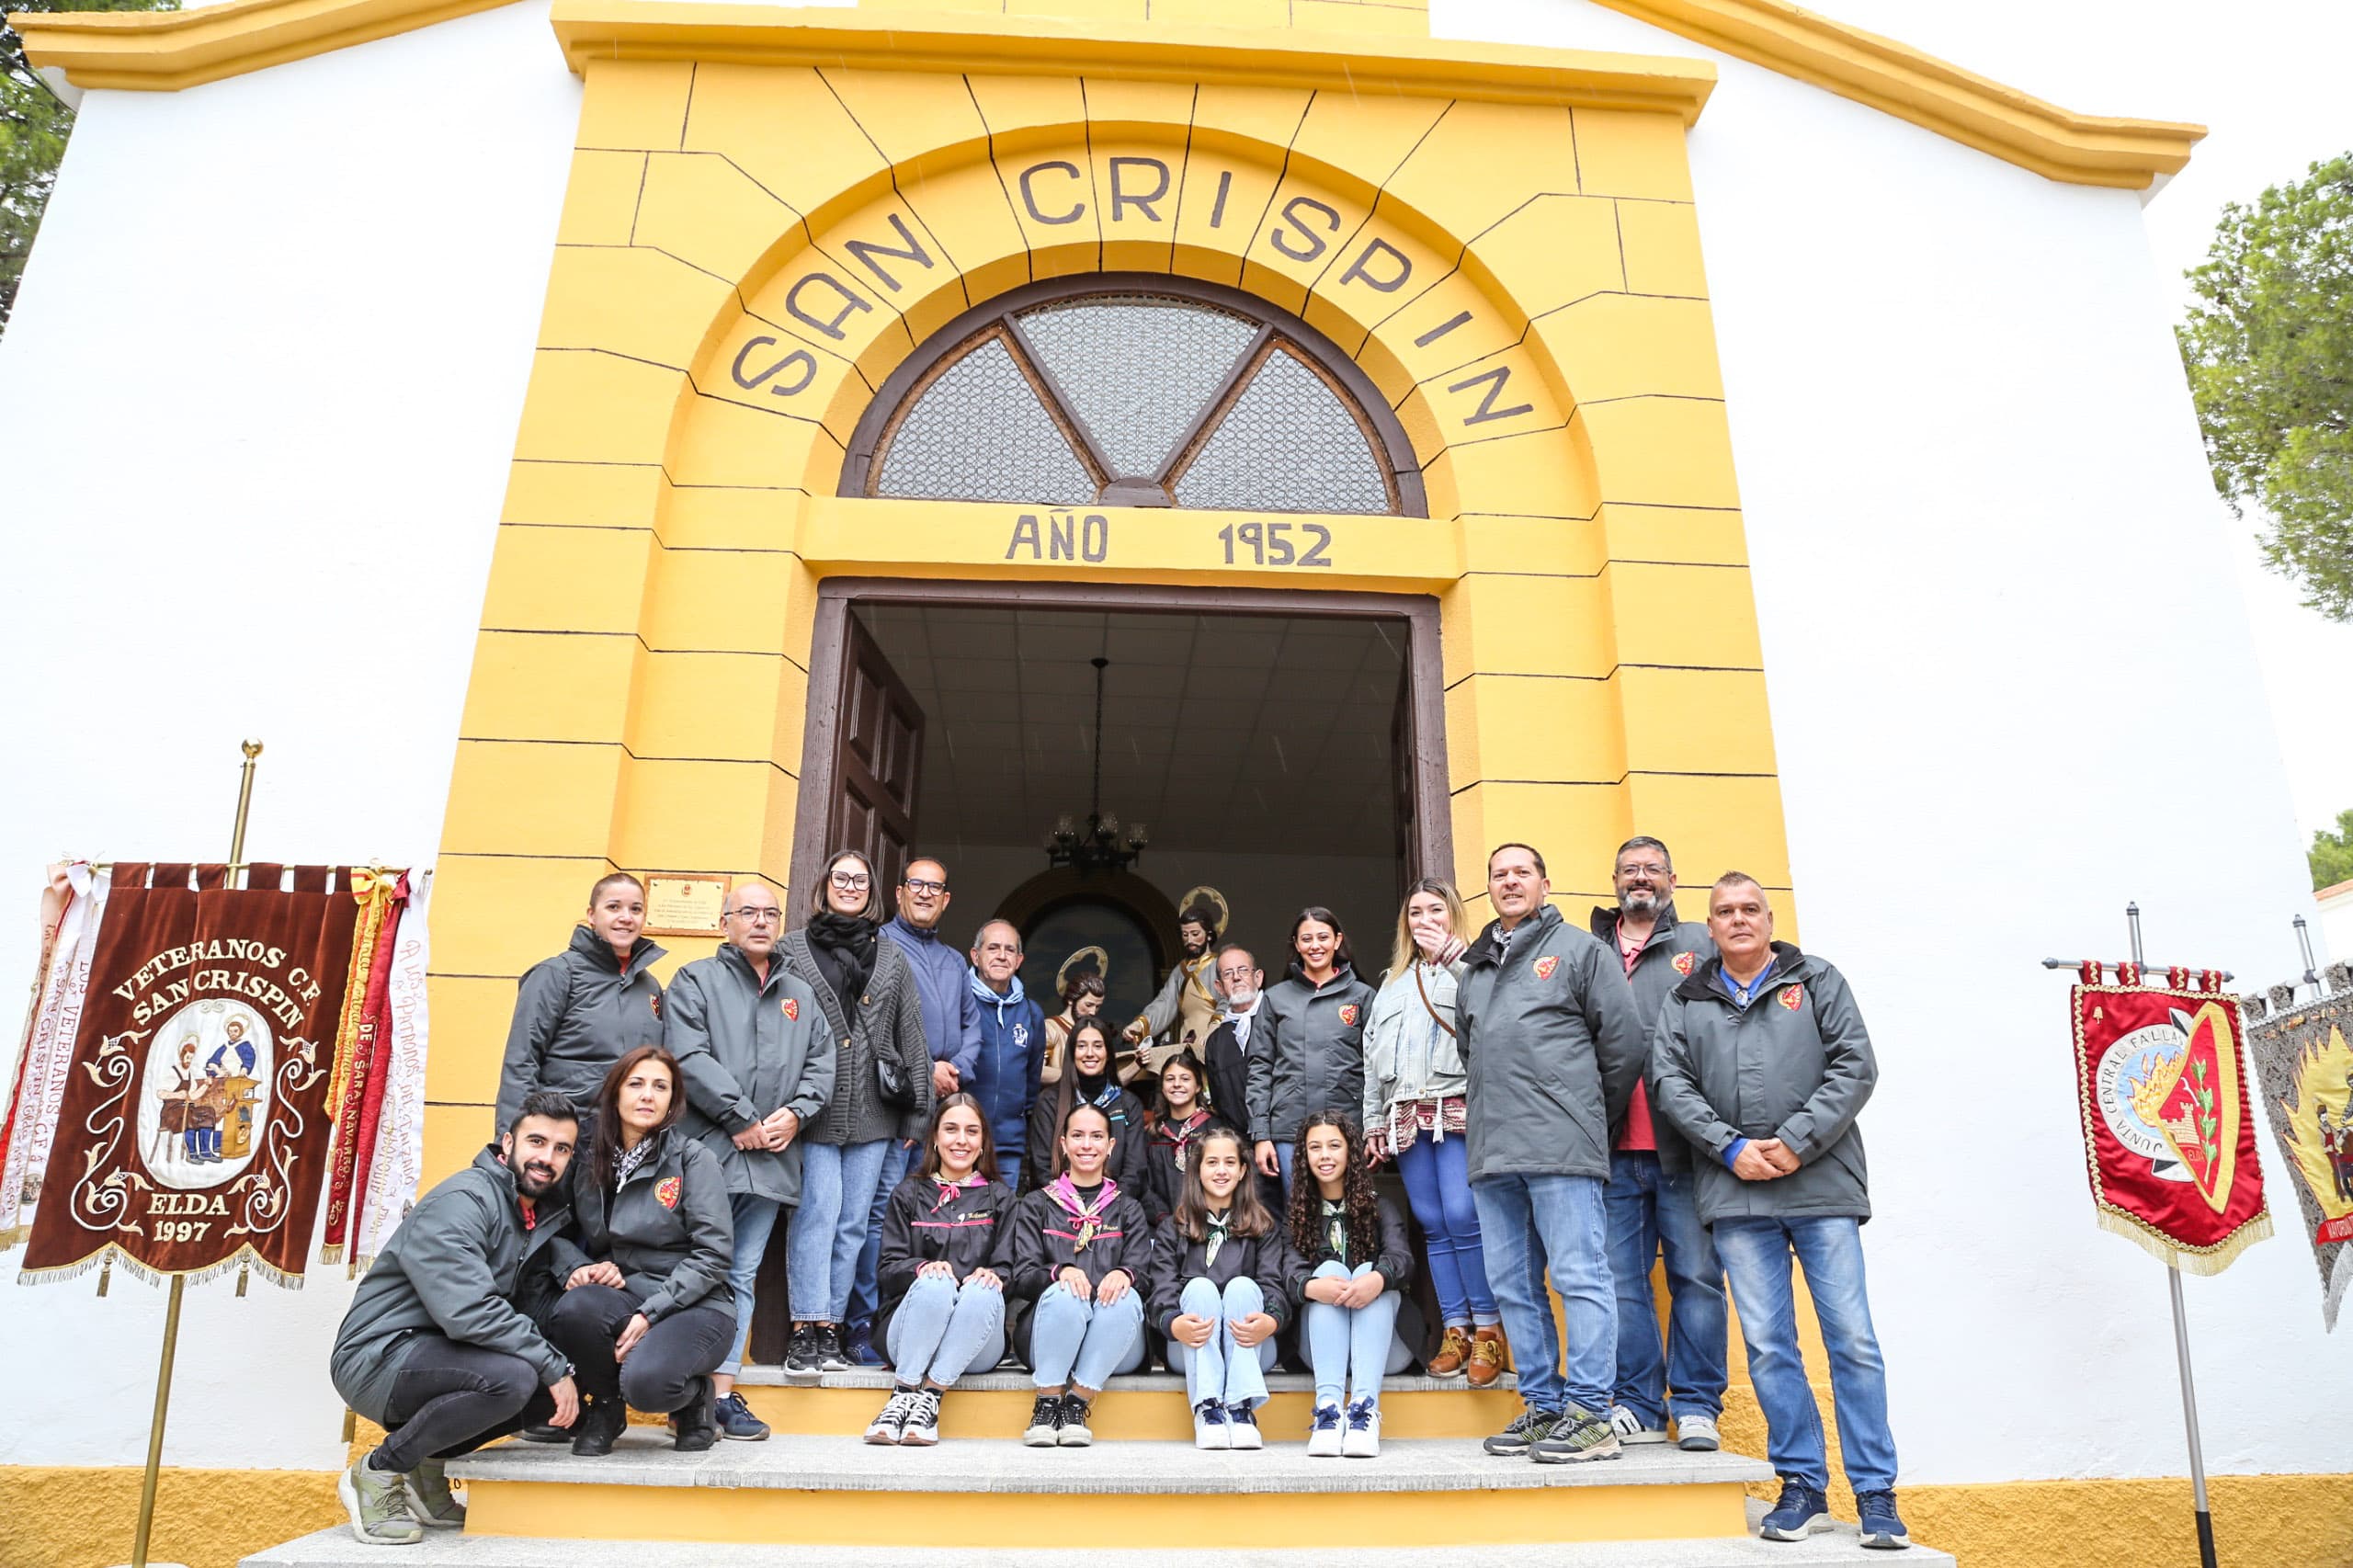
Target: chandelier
x: 1099, y: 845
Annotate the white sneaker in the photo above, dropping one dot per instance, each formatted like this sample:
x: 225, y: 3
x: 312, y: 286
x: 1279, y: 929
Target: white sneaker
x: 890, y: 1426
x: 1210, y: 1429
x: 1324, y: 1438
x: 1363, y: 1438
x: 1698, y: 1434
x: 1242, y: 1428
x: 1630, y: 1429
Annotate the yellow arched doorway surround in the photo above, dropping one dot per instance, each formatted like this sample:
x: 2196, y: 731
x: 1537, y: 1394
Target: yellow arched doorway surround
x: 769, y: 210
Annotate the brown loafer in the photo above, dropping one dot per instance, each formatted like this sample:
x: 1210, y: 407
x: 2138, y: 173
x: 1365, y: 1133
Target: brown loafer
x: 1453, y: 1353
x: 1486, y: 1356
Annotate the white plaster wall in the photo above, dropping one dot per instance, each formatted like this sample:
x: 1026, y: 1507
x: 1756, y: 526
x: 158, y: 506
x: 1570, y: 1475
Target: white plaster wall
x: 259, y: 397
x: 2012, y: 688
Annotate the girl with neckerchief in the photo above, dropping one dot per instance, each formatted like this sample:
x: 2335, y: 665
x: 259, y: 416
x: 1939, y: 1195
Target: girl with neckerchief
x: 943, y: 1304
x: 1173, y: 1126
x: 1090, y: 1081
x: 1414, y: 1087
x: 1352, y: 1263
x: 1221, y: 1274
x: 1075, y: 1259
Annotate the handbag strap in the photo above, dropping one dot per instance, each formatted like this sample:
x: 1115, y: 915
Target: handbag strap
x: 1427, y: 1006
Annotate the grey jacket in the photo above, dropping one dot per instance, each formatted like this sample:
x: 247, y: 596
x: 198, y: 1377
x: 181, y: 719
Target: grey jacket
x: 1675, y: 950
x: 746, y: 1050
x: 1794, y: 1064
x: 455, y: 1267
x: 575, y: 1014
x: 667, y: 1228
x: 1306, y: 1051
x: 1554, y: 1048
x: 1413, y: 1048
x: 890, y: 1018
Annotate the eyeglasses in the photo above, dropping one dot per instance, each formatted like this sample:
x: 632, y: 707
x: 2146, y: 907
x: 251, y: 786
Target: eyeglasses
x: 919, y: 885
x: 1654, y: 873
x: 1235, y: 974
x: 852, y: 881
x: 751, y: 917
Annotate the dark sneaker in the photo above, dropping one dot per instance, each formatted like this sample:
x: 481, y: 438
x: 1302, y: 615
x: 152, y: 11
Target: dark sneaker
x: 1045, y: 1422
x: 858, y: 1346
x: 601, y: 1422
x: 437, y: 1508
x: 697, y: 1424
x: 1883, y: 1525
x: 1579, y: 1435
x: 1515, y: 1440
x: 922, y: 1429
x: 1799, y: 1513
x: 804, y: 1358
x: 829, y: 1347
x: 1075, y: 1433
x: 378, y: 1504
x: 546, y: 1432
x: 736, y: 1420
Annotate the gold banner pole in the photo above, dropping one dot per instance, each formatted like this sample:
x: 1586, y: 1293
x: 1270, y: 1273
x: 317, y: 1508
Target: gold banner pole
x: 180, y: 1282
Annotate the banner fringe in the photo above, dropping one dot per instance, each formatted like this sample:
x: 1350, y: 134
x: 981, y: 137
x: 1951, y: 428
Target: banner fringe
x: 113, y: 1256
x: 2211, y: 1262
x: 332, y: 1254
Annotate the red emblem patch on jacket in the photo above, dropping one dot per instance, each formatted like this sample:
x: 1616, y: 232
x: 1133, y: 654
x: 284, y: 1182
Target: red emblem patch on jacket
x: 666, y: 1192
x: 1792, y: 995
x: 654, y: 1001
x: 792, y: 1008
x: 1685, y: 963
x: 1349, y: 1012
x: 1546, y: 965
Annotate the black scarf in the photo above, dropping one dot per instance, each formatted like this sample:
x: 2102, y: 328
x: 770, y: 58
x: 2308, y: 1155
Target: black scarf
x: 844, y: 945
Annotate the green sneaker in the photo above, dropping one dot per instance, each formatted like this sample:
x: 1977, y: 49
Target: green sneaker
x: 1526, y: 1427
x: 378, y: 1504
x: 1579, y: 1435
x: 430, y: 1499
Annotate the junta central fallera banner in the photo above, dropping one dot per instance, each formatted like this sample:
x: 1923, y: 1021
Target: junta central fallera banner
x: 195, y: 1129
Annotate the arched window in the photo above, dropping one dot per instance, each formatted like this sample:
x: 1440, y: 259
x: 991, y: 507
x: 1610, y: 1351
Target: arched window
x: 1135, y: 390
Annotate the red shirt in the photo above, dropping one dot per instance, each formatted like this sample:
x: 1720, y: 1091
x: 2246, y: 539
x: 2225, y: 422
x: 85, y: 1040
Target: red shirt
x: 1637, y: 1133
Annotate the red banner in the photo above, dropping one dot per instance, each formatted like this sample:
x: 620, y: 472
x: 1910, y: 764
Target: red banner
x: 2162, y: 1081
x: 193, y: 1135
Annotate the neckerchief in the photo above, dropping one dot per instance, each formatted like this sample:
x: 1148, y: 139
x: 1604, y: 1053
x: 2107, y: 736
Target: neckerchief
x: 1063, y: 1192
x: 630, y: 1159
x: 948, y: 1190
x: 1012, y: 997
x: 1335, y: 1228
x: 1103, y: 1097
x: 1182, y: 1133
x: 1217, y: 1220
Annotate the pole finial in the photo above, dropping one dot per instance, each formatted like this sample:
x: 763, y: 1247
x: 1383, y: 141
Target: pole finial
x: 251, y: 749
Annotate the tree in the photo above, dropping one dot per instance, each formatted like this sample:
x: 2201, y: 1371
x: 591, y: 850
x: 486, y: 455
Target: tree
x: 2332, y: 853
x: 2270, y: 354
x: 33, y: 127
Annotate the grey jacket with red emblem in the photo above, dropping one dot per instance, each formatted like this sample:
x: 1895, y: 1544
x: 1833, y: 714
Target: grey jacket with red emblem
x: 575, y: 1014
x: 748, y: 1048
x: 668, y: 1228
x: 1675, y: 950
x: 1307, y: 1052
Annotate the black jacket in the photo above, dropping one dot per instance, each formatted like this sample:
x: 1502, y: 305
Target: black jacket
x: 1168, y: 1153
x: 917, y: 1228
x: 575, y: 1014
x: 1394, y: 1261
x: 1229, y: 1070
x: 1126, y: 1114
x: 1178, y: 1259
x: 669, y: 1229
x: 1041, y: 1241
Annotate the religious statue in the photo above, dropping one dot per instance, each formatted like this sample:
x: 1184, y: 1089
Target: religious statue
x: 1183, y: 1014
x: 1080, y: 981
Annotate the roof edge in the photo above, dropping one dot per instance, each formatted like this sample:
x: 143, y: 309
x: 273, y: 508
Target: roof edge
x: 1934, y: 94
x: 164, y: 51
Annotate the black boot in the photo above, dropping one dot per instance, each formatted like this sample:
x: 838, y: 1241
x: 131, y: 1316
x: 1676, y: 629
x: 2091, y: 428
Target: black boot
x: 697, y: 1424
x: 600, y: 1425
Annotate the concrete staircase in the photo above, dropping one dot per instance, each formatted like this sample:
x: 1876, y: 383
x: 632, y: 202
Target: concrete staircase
x: 814, y: 1496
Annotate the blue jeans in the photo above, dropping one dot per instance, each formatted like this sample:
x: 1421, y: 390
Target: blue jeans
x: 756, y: 1220
x: 1439, y: 1187
x: 1756, y: 1265
x: 1221, y: 1369
x: 821, y: 1252
x: 865, y: 1295
x: 1351, y: 1347
x: 1084, y: 1344
x: 1285, y: 1150
x: 943, y: 1330
x: 1651, y: 1208
x: 1527, y: 1226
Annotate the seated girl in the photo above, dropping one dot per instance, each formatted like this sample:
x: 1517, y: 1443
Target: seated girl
x: 1072, y: 1257
x: 943, y: 1307
x: 1090, y: 1081
x: 646, y: 1315
x: 1221, y: 1291
x: 1173, y: 1129
x: 1352, y: 1260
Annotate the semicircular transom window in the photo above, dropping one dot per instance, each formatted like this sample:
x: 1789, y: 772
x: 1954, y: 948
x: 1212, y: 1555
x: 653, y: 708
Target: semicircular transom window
x: 1154, y: 394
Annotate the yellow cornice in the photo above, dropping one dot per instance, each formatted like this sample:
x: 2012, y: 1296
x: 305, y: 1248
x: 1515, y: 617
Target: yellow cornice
x: 911, y: 41
x: 1896, y: 79
x: 163, y: 52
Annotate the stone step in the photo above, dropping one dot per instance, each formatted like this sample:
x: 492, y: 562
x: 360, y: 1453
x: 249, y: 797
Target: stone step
x: 996, y: 1405
x: 826, y: 1491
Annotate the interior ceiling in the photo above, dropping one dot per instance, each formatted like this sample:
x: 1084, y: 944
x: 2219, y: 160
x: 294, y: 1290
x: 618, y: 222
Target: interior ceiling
x: 1260, y: 733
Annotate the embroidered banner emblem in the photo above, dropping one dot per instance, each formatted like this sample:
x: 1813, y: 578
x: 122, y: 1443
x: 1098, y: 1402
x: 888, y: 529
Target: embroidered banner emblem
x: 1349, y: 1013
x: 666, y: 1192
x: 792, y: 1009
x: 1685, y: 963
x: 1546, y: 965
x: 1792, y: 995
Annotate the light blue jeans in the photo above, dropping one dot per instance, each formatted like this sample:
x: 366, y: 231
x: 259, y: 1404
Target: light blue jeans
x: 943, y: 1330
x: 1351, y: 1347
x: 865, y: 1295
x: 1222, y: 1370
x: 756, y: 1220
x: 1532, y: 1225
x: 1084, y: 1344
x: 1757, y: 1264
x: 1651, y: 1208
x: 821, y: 1252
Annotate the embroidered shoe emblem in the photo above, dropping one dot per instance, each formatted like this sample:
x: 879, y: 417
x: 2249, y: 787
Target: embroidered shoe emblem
x: 666, y: 1192
x: 1546, y: 965
x: 1348, y: 1011
x: 1685, y: 963
x: 792, y: 1009
x: 1792, y: 995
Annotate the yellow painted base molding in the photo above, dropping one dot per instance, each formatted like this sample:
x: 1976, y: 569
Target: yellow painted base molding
x: 2260, y: 1521
x: 85, y: 1516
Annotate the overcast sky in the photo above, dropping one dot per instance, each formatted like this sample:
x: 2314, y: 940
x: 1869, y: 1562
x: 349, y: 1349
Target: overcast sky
x: 2268, y: 79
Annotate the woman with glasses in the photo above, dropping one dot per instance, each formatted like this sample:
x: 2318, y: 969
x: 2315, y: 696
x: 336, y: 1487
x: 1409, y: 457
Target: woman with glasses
x: 881, y: 1090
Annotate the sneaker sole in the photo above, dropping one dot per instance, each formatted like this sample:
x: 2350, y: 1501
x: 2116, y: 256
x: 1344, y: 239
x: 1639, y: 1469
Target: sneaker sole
x: 809, y: 1377
x: 886, y: 1439
x: 924, y: 1440
x: 1815, y: 1525
x: 1637, y: 1438
x: 1608, y: 1450
x: 1065, y: 1439
x: 1518, y: 1452
x: 1887, y: 1542
x: 1034, y: 1438
x: 1699, y: 1444
x: 349, y: 1495
x: 416, y: 1510
x: 759, y: 1437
